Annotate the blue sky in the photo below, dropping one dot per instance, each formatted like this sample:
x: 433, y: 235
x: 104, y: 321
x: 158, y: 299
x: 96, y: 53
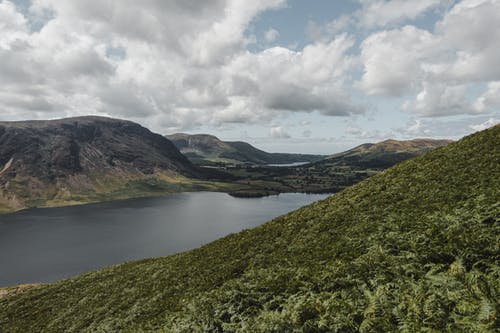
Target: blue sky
x: 293, y: 19
x: 297, y: 76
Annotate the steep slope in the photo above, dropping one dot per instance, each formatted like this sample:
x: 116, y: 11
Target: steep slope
x: 413, y: 248
x: 204, y: 149
x: 76, y: 159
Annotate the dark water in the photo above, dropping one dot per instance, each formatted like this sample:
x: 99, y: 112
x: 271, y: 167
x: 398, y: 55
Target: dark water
x: 44, y: 245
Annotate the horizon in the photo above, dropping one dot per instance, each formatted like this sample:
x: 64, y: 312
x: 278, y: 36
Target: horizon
x: 214, y: 135
x: 283, y: 75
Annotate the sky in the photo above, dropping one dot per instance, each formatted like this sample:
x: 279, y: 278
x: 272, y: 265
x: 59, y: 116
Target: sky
x: 309, y: 76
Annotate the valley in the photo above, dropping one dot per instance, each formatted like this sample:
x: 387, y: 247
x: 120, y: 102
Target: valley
x: 231, y: 166
x: 418, y: 240
x: 94, y: 159
x: 328, y: 175
x: 208, y: 150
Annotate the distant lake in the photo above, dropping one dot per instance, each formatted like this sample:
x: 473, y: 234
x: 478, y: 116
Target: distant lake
x: 45, y: 245
x: 289, y: 164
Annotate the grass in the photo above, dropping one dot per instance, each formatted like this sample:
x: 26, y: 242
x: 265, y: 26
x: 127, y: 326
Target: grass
x: 110, y: 188
x: 413, y: 248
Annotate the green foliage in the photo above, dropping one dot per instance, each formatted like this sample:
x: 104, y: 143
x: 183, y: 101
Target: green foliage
x: 412, y: 249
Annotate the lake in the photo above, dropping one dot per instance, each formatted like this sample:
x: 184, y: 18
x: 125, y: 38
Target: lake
x: 289, y: 164
x: 45, y: 245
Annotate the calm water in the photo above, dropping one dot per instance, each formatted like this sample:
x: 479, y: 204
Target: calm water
x: 44, y: 245
x: 289, y: 164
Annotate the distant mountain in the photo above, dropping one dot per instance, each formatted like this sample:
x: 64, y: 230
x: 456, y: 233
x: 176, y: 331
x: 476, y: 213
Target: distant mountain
x: 83, y: 159
x: 414, y: 248
x: 208, y: 149
x: 383, y: 154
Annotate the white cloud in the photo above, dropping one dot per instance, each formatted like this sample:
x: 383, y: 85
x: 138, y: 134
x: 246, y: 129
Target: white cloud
x: 487, y: 124
x: 299, y: 81
x: 353, y: 130
x: 442, y: 128
x: 489, y: 100
x: 271, y: 35
x: 417, y: 128
x: 380, y: 13
x: 226, y: 35
x: 317, y: 31
x: 279, y: 132
x: 13, y: 26
x: 181, y: 64
x: 363, y: 134
x: 472, y: 30
x: 394, y: 60
x: 437, y: 67
x: 437, y: 99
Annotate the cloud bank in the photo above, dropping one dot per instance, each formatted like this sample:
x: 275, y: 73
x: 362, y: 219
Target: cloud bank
x: 179, y: 63
x: 183, y: 64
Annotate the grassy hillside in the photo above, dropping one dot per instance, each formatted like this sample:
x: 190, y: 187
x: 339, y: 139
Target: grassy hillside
x: 204, y: 149
x: 414, y: 248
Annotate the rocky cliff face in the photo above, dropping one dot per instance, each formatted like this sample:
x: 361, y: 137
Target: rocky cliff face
x: 43, y: 160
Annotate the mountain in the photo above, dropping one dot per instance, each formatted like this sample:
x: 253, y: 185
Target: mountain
x: 83, y: 159
x: 414, y: 248
x: 383, y: 154
x: 208, y: 149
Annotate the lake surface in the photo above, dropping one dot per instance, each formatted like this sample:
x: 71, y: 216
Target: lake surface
x: 289, y: 164
x: 45, y: 245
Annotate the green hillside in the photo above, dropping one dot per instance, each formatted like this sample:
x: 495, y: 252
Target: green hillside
x: 413, y: 248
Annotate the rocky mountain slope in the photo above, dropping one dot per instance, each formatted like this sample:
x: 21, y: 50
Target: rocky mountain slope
x: 80, y: 159
x: 208, y: 149
x: 414, y: 248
